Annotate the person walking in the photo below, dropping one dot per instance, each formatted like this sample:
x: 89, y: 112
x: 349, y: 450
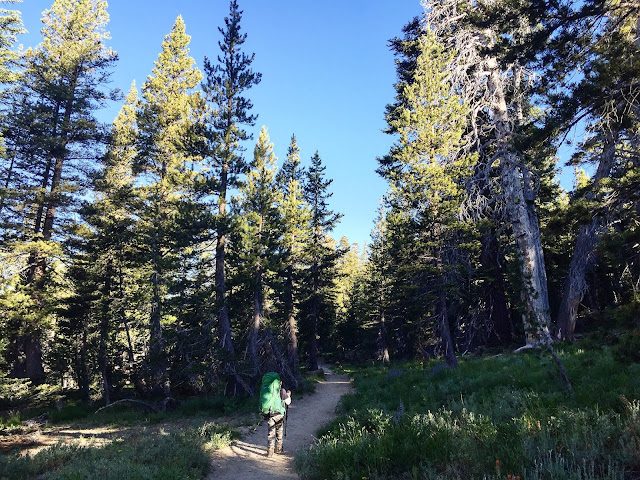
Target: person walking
x: 274, y: 401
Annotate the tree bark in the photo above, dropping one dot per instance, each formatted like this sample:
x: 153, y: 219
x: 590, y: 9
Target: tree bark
x: 495, y: 297
x: 159, y: 381
x: 83, y: 373
x: 7, y: 181
x: 315, y: 300
x: 104, y: 334
x: 258, y: 313
x: 383, y: 349
x: 224, y: 324
x: 445, y: 330
x: 28, y: 358
x: 523, y: 219
x: 584, y: 257
x: 292, y: 347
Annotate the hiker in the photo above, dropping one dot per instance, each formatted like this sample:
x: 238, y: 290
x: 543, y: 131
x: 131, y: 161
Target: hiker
x: 274, y: 400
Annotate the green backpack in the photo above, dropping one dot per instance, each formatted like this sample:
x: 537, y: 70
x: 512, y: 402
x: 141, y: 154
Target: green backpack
x: 270, y: 402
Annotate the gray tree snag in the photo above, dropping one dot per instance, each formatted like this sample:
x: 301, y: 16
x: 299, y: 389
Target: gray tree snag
x: 584, y: 256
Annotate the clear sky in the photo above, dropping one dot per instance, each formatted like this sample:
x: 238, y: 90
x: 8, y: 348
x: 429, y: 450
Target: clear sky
x: 327, y: 74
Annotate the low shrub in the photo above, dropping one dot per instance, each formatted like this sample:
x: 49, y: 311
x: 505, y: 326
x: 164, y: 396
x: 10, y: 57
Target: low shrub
x: 628, y: 348
x: 141, y: 457
x: 503, y: 417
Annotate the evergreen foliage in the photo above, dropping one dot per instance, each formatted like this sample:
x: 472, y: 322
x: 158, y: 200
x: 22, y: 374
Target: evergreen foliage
x: 151, y: 259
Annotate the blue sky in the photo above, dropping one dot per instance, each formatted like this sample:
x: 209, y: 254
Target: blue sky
x: 327, y: 74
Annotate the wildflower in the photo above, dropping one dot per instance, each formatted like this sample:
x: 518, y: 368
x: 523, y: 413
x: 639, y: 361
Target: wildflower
x: 509, y: 476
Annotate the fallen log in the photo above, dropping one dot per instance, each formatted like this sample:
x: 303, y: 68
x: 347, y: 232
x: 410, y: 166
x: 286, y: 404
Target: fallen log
x: 132, y: 401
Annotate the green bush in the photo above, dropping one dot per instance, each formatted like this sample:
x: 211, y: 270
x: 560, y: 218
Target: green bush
x: 487, y: 419
x: 628, y: 348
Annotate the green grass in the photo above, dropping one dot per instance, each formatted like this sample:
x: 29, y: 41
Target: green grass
x: 143, y: 455
x: 488, y: 418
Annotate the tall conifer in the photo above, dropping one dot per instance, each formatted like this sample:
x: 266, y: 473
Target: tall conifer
x: 64, y: 81
x: 320, y: 254
x: 169, y: 109
x: 261, y: 232
x: 295, y: 216
x: 224, y: 87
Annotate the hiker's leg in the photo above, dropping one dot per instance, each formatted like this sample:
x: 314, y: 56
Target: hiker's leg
x: 279, y: 427
x: 271, y: 435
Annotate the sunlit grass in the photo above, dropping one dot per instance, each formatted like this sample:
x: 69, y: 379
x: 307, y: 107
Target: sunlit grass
x: 492, y: 417
x: 161, y: 454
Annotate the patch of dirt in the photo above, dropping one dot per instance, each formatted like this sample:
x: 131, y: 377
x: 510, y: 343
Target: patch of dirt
x: 32, y: 442
x: 247, y: 459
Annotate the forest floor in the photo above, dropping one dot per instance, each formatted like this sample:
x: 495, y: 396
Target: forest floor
x: 244, y: 459
x: 247, y: 459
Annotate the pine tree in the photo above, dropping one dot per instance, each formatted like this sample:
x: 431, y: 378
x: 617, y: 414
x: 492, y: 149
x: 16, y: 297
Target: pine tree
x: 63, y: 83
x: 379, y: 272
x: 169, y: 109
x: 108, y: 251
x: 10, y: 27
x: 261, y: 233
x: 426, y: 176
x: 224, y: 88
x: 295, y: 220
x: 611, y: 114
x: 475, y: 49
x: 349, y: 275
x: 320, y: 254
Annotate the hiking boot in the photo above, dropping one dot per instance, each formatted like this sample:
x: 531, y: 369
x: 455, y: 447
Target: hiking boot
x: 270, y: 452
x: 279, y: 449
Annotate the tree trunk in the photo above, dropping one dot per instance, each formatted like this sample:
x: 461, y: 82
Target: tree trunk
x: 104, y: 334
x: 159, y: 381
x: 258, y: 313
x: 7, y: 181
x: 28, y: 358
x: 383, y: 349
x: 224, y: 324
x: 292, y: 347
x: 495, y: 297
x: 584, y: 256
x: 313, y: 340
x: 83, y: 373
x: 523, y: 219
x: 445, y: 330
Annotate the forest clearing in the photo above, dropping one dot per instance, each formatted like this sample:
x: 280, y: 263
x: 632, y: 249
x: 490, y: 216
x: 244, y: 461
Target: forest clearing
x: 156, y: 268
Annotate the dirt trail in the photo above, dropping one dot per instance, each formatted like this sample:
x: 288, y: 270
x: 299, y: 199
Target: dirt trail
x: 247, y: 459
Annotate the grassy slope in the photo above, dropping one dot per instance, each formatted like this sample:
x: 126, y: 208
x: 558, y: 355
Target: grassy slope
x: 507, y: 416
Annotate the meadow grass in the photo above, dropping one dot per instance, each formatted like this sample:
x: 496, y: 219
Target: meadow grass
x: 140, y: 456
x: 506, y: 416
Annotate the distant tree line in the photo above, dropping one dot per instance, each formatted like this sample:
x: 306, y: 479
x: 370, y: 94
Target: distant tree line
x: 156, y: 255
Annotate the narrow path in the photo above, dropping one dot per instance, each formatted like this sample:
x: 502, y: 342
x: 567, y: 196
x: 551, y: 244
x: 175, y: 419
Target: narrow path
x: 247, y: 459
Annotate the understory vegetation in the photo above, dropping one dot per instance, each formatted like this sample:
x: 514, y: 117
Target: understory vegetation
x: 141, y: 456
x: 143, y: 443
x: 505, y: 416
